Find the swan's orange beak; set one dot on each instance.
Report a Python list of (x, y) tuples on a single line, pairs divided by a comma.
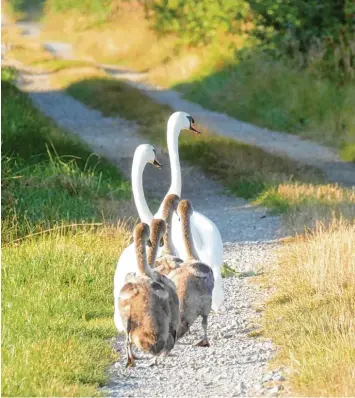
[(157, 164), (194, 129)]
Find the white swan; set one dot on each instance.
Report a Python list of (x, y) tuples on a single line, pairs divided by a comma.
[(128, 262), (205, 234)]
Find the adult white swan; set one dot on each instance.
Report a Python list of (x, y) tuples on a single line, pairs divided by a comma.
[(205, 234), (128, 262)]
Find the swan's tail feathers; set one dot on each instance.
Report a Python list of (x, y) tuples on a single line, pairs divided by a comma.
[(118, 321), (217, 294)]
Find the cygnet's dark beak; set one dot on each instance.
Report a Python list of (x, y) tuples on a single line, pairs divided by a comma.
[(149, 243), (157, 164), (161, 243)]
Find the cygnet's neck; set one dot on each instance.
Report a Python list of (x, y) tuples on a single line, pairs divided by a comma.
[(187, 237), (143, 266), (168, 241)]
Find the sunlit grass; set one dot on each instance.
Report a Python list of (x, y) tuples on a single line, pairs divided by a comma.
[(258, 89), (304, 205), (57, 311), (311, 315)]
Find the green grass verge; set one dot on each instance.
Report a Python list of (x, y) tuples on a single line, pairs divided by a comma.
[(57, 312), (56, 273)]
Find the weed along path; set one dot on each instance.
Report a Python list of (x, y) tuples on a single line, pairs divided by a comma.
[(292, 146)]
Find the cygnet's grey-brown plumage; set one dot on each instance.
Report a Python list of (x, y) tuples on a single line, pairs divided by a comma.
[(144, 305), (193, 279), (157, 230), (168, 261)]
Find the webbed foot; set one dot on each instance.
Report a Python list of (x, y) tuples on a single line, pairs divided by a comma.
[(203, 343)]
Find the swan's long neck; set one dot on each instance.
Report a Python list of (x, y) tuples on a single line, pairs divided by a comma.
[(173, 148), (187, 237), (138, 192), (143, 266)]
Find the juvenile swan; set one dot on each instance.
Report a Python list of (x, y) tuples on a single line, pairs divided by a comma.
[(144, 305), (194, 281), (157, 229), (167, 261)]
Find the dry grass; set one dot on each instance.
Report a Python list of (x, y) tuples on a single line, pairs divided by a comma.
[(311, 316), (306, 204), (127, 40)]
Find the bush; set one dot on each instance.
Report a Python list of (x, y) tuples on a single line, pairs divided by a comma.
[(199, 21)]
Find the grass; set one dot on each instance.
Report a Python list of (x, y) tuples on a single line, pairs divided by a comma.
[(60, 244), (57, 312), (276, 95), (304, 205), (311, 315)]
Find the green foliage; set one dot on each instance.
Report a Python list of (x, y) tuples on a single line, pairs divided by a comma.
[(199, 21), (25, 7), (96, 7), (306, 24)]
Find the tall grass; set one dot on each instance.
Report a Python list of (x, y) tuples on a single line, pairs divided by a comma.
[(311, 315), (304, 205)]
